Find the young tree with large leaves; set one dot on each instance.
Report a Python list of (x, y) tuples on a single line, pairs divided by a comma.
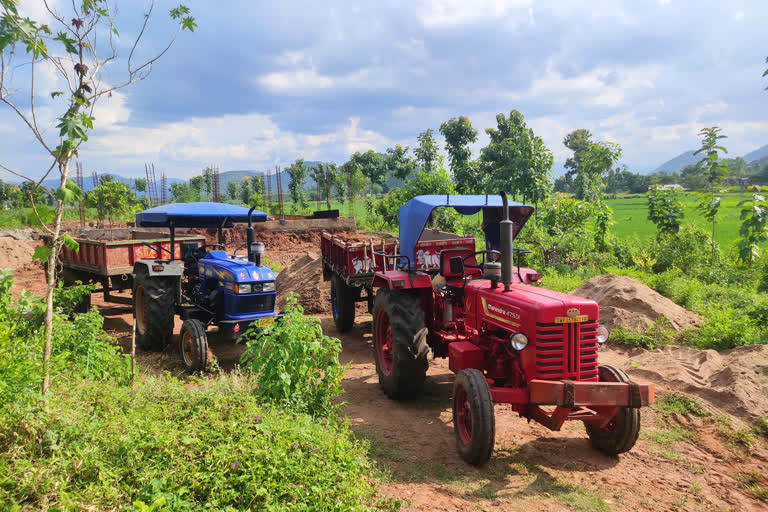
[(459, 134), (397, 162), (297, 173), (517, 160), (579, 142), (81, 46), (426, 151), (715, 171)]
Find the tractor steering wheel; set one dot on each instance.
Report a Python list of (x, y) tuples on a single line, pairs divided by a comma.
[(219, 246), (486, 257), (520, 250), (234, 253)]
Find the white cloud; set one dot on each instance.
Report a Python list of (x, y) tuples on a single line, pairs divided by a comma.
[(442, 13)]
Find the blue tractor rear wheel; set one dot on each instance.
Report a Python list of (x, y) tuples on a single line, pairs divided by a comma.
[(343, 298)]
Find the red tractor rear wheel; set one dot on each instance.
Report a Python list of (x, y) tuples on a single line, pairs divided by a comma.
[(473, 417), (621, 433), (400, 348)]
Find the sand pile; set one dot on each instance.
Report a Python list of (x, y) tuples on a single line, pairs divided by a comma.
[(305, 277), (628, 303), (15, 253), (734, 381)]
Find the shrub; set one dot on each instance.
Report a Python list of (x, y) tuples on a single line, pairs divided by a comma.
[(685, 250), (294, 363), (654, 336), (79, 345), (210, 446)]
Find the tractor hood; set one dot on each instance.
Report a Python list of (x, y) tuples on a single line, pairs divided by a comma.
[(525, 303), (218, 264)]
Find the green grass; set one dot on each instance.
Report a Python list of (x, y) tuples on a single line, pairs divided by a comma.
[(673, 403), (206, 445), (631, 217)]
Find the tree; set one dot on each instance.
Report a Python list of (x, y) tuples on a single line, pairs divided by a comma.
[(754, 227), (140, 184), (577, 141), (598, 159), (83, 62), (517, 160), (111, 198), (258, 189), (714, 171), (298, 173), (426, 152), (459, 134), (356, 182), (397, 163), (371, 165), (233, 190), (665, 209)]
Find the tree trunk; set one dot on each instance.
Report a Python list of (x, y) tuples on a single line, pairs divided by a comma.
[(50, 275)]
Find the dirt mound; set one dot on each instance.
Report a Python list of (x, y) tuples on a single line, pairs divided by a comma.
[(628, 303), (733, 381), (15, 253), (305, 277)]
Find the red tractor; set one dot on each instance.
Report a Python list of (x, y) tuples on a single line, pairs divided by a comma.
[(507, 339)]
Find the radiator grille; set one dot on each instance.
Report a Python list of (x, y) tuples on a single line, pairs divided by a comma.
[(566, 351), (255, 303)]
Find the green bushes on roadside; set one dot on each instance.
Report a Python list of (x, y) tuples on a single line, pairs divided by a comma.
[(294, 364), (209, 445), (79, 345)]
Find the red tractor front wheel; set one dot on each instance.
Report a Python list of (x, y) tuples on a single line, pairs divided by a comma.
[(473, 418), (620, 434)]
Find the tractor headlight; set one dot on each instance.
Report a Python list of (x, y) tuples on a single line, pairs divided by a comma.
[(518, 341), (243, 288), (602, 334), (269, 286)]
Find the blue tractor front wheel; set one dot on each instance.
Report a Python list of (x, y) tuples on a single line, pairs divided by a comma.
[(193, 345)]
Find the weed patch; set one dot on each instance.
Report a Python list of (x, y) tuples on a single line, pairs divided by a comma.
[(214, 447), (671, 403), (756, 483)]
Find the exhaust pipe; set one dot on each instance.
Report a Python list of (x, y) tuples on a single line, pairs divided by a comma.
[(506, 236), (249, 235)]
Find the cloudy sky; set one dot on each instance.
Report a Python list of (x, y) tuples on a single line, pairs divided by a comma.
[(263, 83)]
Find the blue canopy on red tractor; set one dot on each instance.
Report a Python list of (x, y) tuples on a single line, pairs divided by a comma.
[(413, 216), (196, 215)]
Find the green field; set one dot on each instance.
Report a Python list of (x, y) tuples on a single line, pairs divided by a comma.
[(631, 217)]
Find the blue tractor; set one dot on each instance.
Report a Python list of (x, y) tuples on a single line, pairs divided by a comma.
[(203, 284)]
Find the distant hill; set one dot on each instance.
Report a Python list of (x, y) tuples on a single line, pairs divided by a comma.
[(88, 181), (756, 154), (677, 163)]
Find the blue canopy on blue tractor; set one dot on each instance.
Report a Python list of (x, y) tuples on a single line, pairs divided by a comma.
[(196, 215), (413, 216)]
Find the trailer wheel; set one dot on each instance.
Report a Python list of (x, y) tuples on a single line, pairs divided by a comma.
[(193, 345), (473, 417), (153, 307), (621, 433), (342, 304), (399, 342)]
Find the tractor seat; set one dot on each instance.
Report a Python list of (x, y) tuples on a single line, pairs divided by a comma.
[(454, 277)]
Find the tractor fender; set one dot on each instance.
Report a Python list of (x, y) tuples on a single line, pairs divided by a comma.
[(160, 268), (400, 280)]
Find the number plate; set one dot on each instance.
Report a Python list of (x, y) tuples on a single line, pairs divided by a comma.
[(571, 319), (266, 321)]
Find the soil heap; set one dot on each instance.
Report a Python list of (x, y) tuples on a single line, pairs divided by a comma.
[(15, 253), (628, 303), (305, 277)]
